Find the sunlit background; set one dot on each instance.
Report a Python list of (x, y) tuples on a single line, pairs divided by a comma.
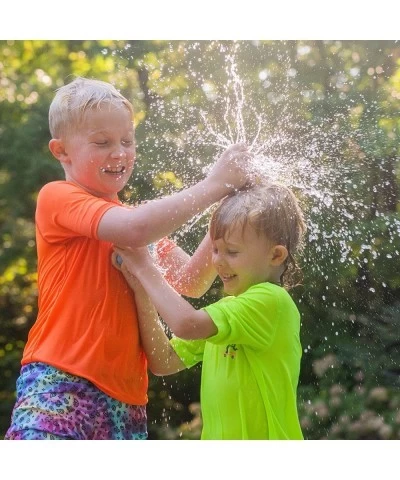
[(321, 116)]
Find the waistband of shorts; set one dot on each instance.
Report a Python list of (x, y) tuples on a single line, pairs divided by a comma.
[(47, 378)]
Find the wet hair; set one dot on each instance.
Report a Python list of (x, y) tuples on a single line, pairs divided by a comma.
[(71, 101), (273, 211)]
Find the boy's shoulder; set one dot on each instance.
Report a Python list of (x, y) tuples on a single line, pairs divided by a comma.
[(271, 290), (55, 195), (266, 288), (59, 188), (58, 184), (263, 294)]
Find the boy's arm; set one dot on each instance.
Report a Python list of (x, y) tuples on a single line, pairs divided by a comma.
[(161, 357), (190, 275), (147, 223), (181, 317)]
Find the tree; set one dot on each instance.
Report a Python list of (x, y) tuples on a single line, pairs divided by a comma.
[(322, 116)]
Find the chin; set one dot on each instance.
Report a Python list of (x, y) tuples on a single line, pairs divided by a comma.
[(231, 292)]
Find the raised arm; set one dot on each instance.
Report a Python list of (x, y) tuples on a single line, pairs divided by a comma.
[(190, 275), (161, 357), (182, 318), (140, 226)]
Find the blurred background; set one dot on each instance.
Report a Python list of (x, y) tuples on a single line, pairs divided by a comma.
[(321, 116)]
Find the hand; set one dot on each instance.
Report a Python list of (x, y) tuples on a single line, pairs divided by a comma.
[(128, 262), (132, 260), (233, 167)]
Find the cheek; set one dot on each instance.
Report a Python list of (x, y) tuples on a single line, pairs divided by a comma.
[(131, 156), (214, 259), (90, 164)]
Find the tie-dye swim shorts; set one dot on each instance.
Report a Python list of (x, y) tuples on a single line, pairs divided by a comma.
[(52, 404)]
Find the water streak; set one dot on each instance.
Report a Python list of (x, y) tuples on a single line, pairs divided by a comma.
[(306, 155)]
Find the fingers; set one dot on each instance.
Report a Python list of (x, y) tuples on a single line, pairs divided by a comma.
[(237, 151), (238, 146)]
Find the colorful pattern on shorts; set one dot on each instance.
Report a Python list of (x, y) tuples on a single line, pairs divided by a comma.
[(52, 404)]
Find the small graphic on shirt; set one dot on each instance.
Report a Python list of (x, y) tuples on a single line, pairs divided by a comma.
[(231, 350)]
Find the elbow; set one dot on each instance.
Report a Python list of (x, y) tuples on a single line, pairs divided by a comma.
[(166, 368), (163, 372), (197, 290), (199, 293), (158, 369), (189, 291), (159, 372), (196, 295)]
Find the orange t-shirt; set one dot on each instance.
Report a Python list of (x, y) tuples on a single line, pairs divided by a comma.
[(87, 322)]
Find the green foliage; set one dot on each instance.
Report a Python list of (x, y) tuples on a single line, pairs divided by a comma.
[(353, 388), (343, 97)]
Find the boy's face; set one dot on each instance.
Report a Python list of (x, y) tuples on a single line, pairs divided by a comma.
[(243, 258), (99, 155)]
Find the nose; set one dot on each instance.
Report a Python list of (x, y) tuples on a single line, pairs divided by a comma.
[(217, 259), (118, 152)]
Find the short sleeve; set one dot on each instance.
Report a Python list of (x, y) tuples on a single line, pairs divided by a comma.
[(64, 210), (250, 318), (189, 351)]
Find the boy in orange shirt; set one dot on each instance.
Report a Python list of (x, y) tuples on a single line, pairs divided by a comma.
[(84, 371)]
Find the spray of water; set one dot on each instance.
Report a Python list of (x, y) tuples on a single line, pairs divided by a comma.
[(330, 164), (303, 151)]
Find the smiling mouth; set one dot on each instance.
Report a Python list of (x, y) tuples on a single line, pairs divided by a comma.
[(114, 171), (226, 278)]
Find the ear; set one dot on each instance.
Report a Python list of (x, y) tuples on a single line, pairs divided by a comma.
[(57, 148), (279, 255)]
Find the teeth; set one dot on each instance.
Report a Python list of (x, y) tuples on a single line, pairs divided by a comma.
[(227, 277), (117, 170)]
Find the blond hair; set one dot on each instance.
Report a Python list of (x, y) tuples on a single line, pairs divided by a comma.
[(274, 212), (74, 99)]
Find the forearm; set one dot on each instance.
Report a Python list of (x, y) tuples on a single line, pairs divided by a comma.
[(180, 316), (147, 223), (191, 276), (161, 357), (199, 273)]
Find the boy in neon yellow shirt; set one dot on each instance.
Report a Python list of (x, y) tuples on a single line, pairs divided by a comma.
[(248, 341)]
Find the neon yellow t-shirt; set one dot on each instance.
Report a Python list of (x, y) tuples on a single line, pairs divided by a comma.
[(250, 367)]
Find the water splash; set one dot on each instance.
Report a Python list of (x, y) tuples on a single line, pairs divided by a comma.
[(307, 152)]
